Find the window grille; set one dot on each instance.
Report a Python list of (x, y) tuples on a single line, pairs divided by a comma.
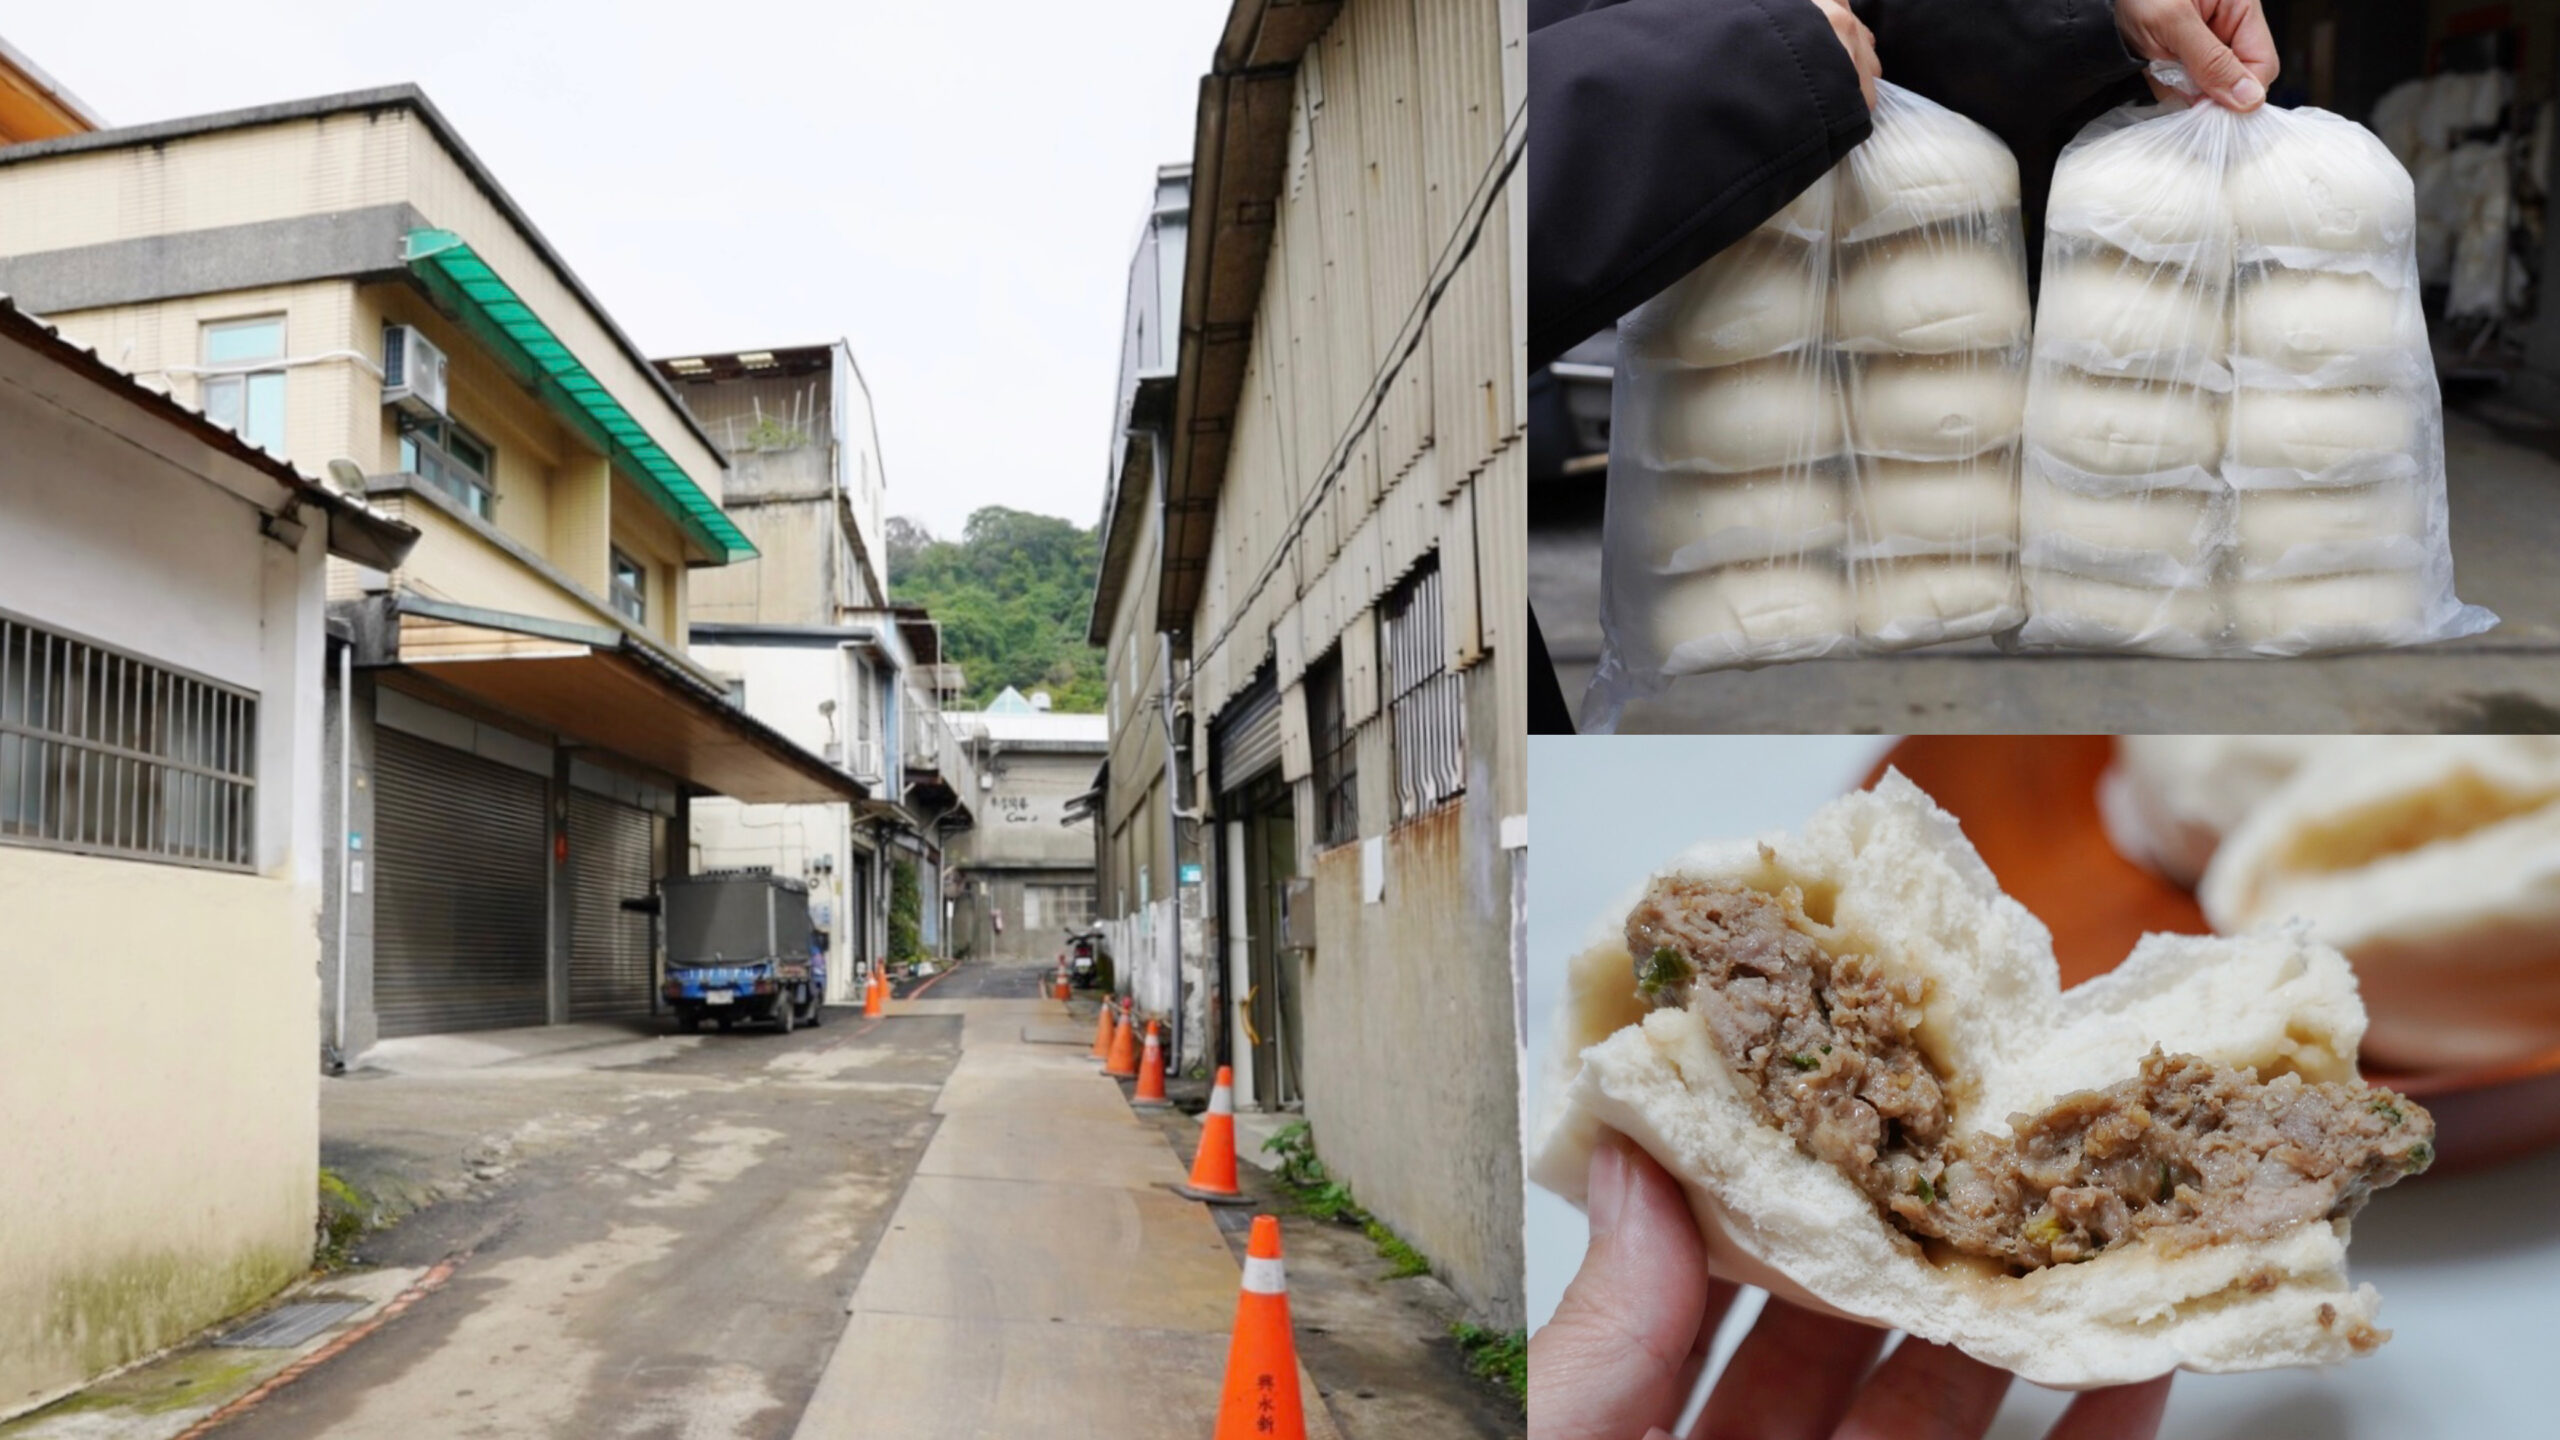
[(1336, 754), (106, 753), (1426, 702)]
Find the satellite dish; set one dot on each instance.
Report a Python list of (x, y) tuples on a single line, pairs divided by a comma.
[(347, 475)]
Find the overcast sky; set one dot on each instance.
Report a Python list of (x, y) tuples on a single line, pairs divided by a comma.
[(954, 187)]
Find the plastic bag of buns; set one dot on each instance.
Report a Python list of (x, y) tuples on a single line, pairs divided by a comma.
[(2234, 442), (1813, 448)]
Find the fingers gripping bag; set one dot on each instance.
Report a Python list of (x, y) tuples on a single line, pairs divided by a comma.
[(1814, 439), (2234, 442)]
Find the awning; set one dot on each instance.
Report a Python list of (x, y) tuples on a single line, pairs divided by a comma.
[(606, 688), (464, 285)]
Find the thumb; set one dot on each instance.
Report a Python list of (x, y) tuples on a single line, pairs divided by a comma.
[(1615, 1359), (2210, 64)]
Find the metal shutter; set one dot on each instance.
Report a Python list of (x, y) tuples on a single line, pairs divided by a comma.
[(1248, 736), (458, 900), (609, 853)]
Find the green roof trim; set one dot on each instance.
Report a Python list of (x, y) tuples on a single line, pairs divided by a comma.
[(464, 285)]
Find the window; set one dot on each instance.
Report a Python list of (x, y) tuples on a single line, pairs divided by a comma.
[(630, 589), (1426, 703), (238, 394), (107, 753), (1061, 906), (451, 459), (1337, 754)]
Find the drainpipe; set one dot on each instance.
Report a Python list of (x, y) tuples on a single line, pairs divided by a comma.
[(1172, 764), (346, 814)]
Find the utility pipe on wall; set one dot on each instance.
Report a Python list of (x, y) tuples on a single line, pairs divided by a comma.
[(346, 815)]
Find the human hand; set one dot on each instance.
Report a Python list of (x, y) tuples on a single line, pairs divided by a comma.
[(1858, 41), (2223, 44), (1633, 1330)]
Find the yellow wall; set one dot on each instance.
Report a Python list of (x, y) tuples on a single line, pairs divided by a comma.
[(175, 1107)]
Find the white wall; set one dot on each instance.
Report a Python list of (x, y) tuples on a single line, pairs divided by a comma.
[(164, 1127)]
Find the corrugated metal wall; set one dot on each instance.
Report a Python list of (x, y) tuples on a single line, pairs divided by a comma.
[(1398, 119)]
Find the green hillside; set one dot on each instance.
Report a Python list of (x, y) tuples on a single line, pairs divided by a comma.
[(1011, 594)]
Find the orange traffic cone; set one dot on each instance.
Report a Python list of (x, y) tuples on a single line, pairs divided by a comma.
[(1102, 1031), (1213, 1167), (1124, 1048), (1261, 1397), (1150, 1094), (872, 1000), (1061, 992)]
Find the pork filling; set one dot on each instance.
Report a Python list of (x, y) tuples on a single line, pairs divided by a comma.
[(2186, 1151)]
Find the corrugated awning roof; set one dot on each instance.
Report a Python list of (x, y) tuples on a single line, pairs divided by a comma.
[(466, 286)]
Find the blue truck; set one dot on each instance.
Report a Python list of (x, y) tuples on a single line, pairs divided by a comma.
[(740, 948)]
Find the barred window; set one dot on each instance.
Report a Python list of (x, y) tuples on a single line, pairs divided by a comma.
[(109, 754), (1425, 701), (1336, 753)]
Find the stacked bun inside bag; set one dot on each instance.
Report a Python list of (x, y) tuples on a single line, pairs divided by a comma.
[(1814, 439), (2234, 439)]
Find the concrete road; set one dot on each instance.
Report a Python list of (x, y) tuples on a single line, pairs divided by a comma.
[(659, 1233), (2503, 485)]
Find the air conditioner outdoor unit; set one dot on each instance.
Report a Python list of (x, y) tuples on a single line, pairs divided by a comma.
[(412, 372)]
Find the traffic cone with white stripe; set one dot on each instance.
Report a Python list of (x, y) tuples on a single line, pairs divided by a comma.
[(1213, 1166), (1124, 1048), (1150, 1094), (1060, 992), (1102, 1031), (873, 1000), (1261, 1397)]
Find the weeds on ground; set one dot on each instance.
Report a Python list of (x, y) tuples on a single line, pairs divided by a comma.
[(1322, 1197), (1498, 1355), (344, 1217)]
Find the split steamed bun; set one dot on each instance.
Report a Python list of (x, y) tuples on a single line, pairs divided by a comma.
[(1935, 408), (1970, 503), (1755, 606), (2115, 427), (2320, 183), (2169, 799), (2174, 523), (1889, 874), (1930, 295), (1780, 512), (2272, 524), (2087, 610), (1758, 416), (2317, 430), (1922, 601), (2434, 863), (2301, 320), (2127, 310), (1757, 298)]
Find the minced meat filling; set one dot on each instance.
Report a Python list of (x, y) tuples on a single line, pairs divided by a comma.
[(2187, 1151)]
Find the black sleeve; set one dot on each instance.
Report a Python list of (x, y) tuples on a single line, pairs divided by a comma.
[(2030, 71), (1663, 131)]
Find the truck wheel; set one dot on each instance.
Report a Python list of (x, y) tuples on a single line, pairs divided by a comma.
[(784, 1008), (817, 1010), (725, 1022)]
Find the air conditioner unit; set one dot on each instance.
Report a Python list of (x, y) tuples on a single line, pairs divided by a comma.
[(412, 372)]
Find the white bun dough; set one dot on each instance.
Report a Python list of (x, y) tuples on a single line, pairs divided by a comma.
[(2128, 309), (2131, 185), (1759, 416), (2113, 427), (2302, 319), (2434, 863), (2370, 602), (2273, 522), (2316, 430), (1928, 295), (1929, 164), (1754, 606), (1763, 516), (2169, 799), (1925, 408), (1971, 503), (1757, 298), (2127, 611), (2323, 184), (1902, 884), (1919, 601), (2174, 523)]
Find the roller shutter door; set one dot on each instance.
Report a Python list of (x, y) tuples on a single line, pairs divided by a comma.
[(609, 855), (459, 890), (1248, 736)]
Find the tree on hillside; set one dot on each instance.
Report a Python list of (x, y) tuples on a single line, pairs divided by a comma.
[(1011, 594)]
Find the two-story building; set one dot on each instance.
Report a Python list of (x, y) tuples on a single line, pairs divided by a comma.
[(162, 637), (1023, 876), (343, 283), (808, 643), (1327, 566)]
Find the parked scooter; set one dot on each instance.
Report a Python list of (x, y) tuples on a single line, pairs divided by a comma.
[(1082, 946)]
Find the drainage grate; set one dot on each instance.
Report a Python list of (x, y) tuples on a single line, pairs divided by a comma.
[(289, 1325)]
